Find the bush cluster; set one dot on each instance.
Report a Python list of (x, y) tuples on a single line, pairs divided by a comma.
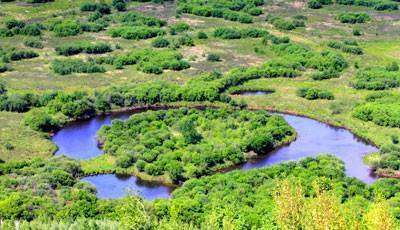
[(376, 4), (347, 47), (234, 33), (353, 17), (68, 66), (178, 28), (102, 8), (16, 27), (148, 60), (68, 49), (314, 94), (187, 144), (33, 43), (240, 11), (284, 24), (64, 28), (377, 79), (382, 109), (138, 19), (136, 32)]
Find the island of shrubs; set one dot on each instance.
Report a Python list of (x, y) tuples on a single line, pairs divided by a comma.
[(284, 24), (378, 78), (353, 17), (314, 94), (234, 33), (376, 4), (17, 27), (148, 60), (6, 56), (226, 9), (176, 42), (388, 163), (68, 66), (69, 49), (381, 108), (347, 47), (68, 27), (184, 143)]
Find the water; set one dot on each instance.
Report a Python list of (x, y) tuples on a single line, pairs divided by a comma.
[(78, 140), (114, 186), (253, 93)]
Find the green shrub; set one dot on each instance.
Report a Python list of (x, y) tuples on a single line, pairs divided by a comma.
[(353, 17), (213, 57), (22, 54), (40, 120), (33, 43), (66, 28), (202, 35), (326, 74), (314, 94), (160, 42), (136, 33), (377, 79), (68, 66), (178, 28), (68, 49)]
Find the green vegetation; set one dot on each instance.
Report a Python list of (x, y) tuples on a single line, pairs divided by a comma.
[(283, 24), (378, 78), (347, 47), (226, 9), (375, 4), (314, 94), (187, 144), (68, 66), (381, 108), (69, 49), (353, 18)]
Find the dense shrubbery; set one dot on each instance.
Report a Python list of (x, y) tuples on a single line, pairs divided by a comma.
[(68, 66), (33, 43), (213, 57), (190, 143), (160, 42), (383, 109), (136, 33), (284, 24), (16, 27), (138, 19), (347, 47), (64, 28), (100, 7), (314, 94), (68, 49), (240, 11), (264, 197), (232, 33), (178, 28), (377, 79), (148, 60), (376, 4), (327, 74), (353, 17)]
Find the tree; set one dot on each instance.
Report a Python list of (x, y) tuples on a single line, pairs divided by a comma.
[(132, 214), (189, 133)]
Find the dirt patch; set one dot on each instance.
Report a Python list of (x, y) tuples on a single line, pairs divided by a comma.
[(189, 21), (298, 4), (197, 53)]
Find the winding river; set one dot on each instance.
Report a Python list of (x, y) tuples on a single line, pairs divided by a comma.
[(78, 140)]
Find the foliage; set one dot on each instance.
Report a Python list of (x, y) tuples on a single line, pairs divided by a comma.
[(160, 42), (33, 43), (382, 109), (68, 66), (353, 17), (136, 32), (284, 24), (314, 93), (346, 47), (233, 33), (240, 11), (68, 49), (213, 57), (377, 79), (190, 143)]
